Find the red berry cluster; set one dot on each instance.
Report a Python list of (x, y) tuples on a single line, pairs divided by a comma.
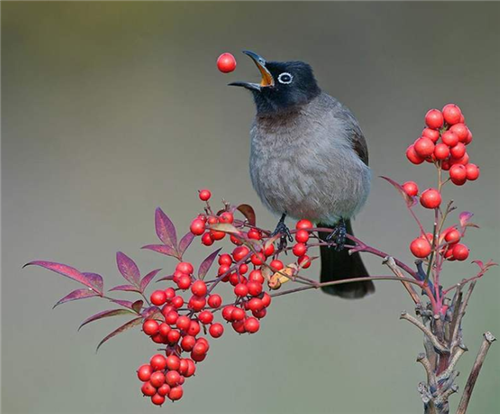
[(443, 142)]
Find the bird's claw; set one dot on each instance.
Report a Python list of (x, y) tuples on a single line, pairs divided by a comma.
[(286, 236), (338, 235)]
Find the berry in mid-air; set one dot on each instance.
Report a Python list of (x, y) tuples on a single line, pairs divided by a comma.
[(226, 63)]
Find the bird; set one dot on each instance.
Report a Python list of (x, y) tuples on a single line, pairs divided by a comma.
[(309, 160)]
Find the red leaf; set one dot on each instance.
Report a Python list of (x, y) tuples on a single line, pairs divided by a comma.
[(248, 212), (185, 243), (165, 229), (123, 328), (64, 270), (128, 268), (169, 277), (148, 278), (137, 306), (163, 249), (126, 288), (464, 218), (104, 314), (410, 201), (206, 264), (77, 294), (96, 281)]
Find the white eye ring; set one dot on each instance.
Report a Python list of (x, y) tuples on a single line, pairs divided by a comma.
[(287, 81)]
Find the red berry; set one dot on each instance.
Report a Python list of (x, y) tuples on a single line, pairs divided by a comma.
[(412, 156), (177, 302), (468, 140), (172, 378), (259, 313), (200, 348), (254, 234), (252, 325), (226, 63), (424, 147), (432, 134), (184, 282), (303, 224), (411, 188), (472, 172), (150, 327), (158, 297), (158, 362), (157, 399), (256, 276), (458, 151), (460, 252), (244, 267), (164, 329), (144, 372), (171, 317), (299, 249), (239, 326), (205, 195), (199, 288), (269, 249), (277, 265), (148, 389), (420, 248), (197, 227), (449, 138), (225, 259), (214, 301), (164, 390), (223, 269), (241, 290), (304, 261), (185, 267), (157, 379), (183, 322), (452, 236), (188, 342), (266, 300), (452, 114), (441, 151), (434, 119), (173, 362), (216, 330), (258, 258), (255, 304), (235, 240), (173, 336), (461, 131), (430, 198), (227, 312), (302, 236), (254, 288), (238, 314), (194, 328), (176, 393), (464, 160), (170, 293), (217, 235), (240, 252), (458, 174), (206, 317), (226, 217)]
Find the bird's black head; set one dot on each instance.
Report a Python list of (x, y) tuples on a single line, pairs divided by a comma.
[(284, 87)]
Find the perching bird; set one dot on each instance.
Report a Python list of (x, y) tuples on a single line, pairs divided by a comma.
[(309, 160)]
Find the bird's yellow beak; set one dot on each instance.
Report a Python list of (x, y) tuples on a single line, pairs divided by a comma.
[(267, 79)]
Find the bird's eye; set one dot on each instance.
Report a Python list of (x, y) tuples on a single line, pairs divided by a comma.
[(285, 78)]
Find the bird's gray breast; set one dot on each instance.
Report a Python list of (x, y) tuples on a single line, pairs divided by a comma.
[(303, 163)]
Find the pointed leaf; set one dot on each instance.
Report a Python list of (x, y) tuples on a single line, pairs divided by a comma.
[(128, 268), (249, 213), (121, 302), (410, 201), (169, 277), (64, 270), (123, 328), (96, 281), (161, 248), (165, 229), (137, 306), (206, 264), (225, 227), (152, 313), (148, 278), (185, 243), (104, 314), (77, 294), (126, 288)]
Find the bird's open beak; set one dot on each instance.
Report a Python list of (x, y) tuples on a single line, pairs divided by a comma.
[(267, 79)]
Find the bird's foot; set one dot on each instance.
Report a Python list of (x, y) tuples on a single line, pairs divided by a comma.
[(338, 235), (284, 231)]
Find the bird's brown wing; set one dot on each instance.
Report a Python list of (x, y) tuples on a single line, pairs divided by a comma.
[(359, 145)]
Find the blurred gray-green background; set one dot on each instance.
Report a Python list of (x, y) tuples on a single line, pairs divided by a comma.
[(113, 109)]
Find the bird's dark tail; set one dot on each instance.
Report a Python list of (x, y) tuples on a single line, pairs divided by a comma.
[(337, 265)]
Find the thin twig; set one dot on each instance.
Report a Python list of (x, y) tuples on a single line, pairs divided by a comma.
[(458, 322), (478, 363), (451, 365), (437, 345), (391, 264), (431, 378)]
